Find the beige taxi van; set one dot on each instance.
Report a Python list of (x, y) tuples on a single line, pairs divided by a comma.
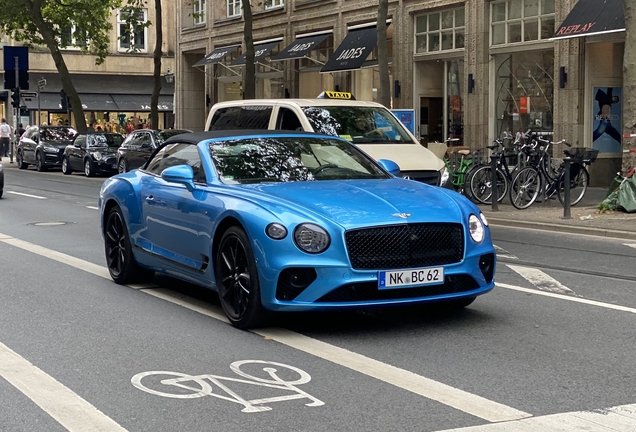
[(368, 125)]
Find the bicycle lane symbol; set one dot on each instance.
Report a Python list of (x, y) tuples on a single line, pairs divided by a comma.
[(204, 385)]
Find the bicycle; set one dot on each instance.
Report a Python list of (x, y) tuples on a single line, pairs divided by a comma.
[(480, 180), (457, 167), (531, 180)]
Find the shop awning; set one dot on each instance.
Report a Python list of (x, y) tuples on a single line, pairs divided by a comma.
[(217, 55), (300, 47), (260, 51), (353, 50), (592, 17), (137, 103), (97, 102), (48, 102)]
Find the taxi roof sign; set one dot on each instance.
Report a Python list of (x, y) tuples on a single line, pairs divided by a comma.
[(336, 95)]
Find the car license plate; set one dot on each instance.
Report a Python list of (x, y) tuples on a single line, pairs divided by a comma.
[(412, 277)]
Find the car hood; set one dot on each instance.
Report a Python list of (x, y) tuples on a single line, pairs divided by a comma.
[(58, 144), (104, 150), (354, 203)]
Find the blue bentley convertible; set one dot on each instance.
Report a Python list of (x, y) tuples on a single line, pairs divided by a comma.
[(278, 221)]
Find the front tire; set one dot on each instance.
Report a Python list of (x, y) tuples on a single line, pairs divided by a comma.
[(120, 261), (237, 280), (481, 185), (39, 162), (122, 166), (525, 187), (19, 159), (89, 168), (66, 166), (578, 185)]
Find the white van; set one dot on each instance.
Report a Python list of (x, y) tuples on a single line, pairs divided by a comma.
[(368, 125)]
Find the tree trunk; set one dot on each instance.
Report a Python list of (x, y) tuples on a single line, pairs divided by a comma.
[(629, 87), (35, 11), (249, 87), (383, 55), (156, 89)]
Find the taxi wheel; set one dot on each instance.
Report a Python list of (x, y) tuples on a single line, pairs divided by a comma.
[(66, 166), (19, 159), (237, 280), (89, 168), (39, 162), (120, 261)]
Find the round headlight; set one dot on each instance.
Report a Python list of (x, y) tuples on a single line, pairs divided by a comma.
[(276, 231), (476, 228), (97, 155), (483, 219), (311, 238)]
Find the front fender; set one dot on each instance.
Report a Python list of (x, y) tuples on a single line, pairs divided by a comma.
[(120, 191)]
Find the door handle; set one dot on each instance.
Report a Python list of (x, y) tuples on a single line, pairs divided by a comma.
[(150, 199)]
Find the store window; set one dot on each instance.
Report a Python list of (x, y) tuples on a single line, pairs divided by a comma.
[(198, 11), (233, 8), (131, 32), (271, 4), (455, 104), (439, 31), (524, 86), (516, 21)]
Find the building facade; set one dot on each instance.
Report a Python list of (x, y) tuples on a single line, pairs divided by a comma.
[(474, 70), (115, 93)]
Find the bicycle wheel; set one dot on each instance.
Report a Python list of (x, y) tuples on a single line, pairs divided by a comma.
[(467, 176), (481, 185), (579, 180), (525, 187)]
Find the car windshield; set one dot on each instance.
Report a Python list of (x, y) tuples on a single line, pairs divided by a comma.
[(106, 140), (58, 134), (358, 124), (164, 135), (287, 159)]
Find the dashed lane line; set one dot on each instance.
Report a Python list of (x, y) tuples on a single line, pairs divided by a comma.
[(540, 279), (27, 195), (502, 253), (92, 207), (57, 400)]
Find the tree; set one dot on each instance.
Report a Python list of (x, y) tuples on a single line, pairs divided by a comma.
[(46, 22), (383, 55), (629, 86), (249, 76)]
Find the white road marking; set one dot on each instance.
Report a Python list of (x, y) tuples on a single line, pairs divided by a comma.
[(57, 400), (463, 401), (630, 245), (26, 195), (569, 298), (92, 207), (616, 419), (541, 280), (502, 253)]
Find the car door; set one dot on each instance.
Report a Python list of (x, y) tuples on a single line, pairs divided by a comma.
[(143, 146), (77, 152), (28, 144), (178, 222)]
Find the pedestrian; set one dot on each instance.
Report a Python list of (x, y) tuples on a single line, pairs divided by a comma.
[(21, 131), (5, 138), (59, 122)]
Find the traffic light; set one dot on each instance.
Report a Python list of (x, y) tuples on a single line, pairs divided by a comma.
[(15, 97)]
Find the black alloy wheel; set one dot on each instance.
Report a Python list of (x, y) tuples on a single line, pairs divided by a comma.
[(237, 280), (19, 159), (66, 166), (122, 166), (121, 264), (39, 162)]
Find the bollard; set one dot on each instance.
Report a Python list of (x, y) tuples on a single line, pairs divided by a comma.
[(493, 184), (11, 150), (566, 189)]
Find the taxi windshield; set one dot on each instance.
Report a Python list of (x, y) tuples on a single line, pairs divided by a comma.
[(289, 159), (358, 124)]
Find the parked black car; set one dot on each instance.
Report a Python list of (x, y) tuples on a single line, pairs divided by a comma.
[(43, 146), (140, 144), (92, 152)]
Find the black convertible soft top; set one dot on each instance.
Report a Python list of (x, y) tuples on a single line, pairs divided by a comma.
[(197, 137)]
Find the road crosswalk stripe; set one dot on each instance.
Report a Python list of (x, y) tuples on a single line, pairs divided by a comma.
[(615, 419), (540, 279), (502, 253), (630, 245)]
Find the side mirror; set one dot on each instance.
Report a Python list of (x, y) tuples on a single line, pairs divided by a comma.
[(182, 174), (389, 166)]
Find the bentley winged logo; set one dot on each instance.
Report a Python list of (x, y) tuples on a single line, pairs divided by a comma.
[(402, 215)]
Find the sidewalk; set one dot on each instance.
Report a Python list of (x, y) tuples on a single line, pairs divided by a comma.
[(549, 217)]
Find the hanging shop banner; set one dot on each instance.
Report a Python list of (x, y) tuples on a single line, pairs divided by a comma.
[(607, 119)]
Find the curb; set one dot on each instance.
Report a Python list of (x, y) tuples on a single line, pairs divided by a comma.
[(599, 232)]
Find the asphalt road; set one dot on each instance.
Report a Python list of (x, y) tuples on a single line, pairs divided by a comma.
[(551, 348)]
